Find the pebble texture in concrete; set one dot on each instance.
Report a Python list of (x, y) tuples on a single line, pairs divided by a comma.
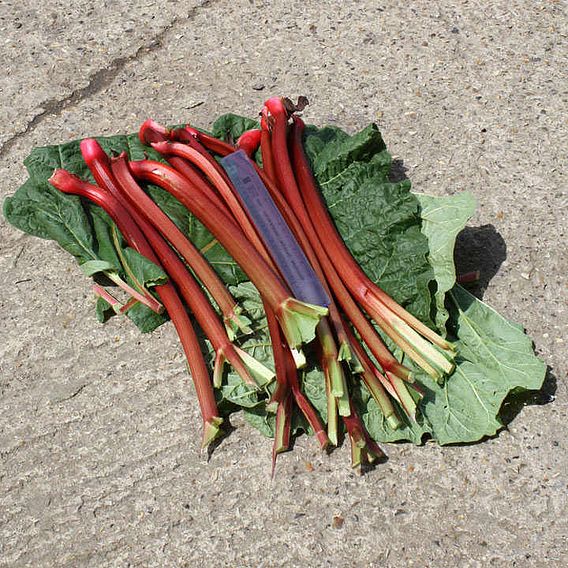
[(99, 426)]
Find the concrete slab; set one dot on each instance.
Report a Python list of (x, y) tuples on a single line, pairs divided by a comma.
[(56, 53), (99, 425)]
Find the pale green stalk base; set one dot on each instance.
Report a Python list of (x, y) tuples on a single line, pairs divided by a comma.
[(332, 420), (211, 431), (438, 361), (299, 358), (345, 353), (394, 421), (299, 320), (338, 385), (279, 445), (433, 360), (356, 454), (355, 365), (260, 373), (384, 403), (404, 396)]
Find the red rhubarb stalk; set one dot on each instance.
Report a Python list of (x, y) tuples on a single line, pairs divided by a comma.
[(469, 277), (210, 142), (249, 141), (282, 429), (401, 326), (297, 319), (68, 183), (169, 230), (266, 151), (319, 260), (376, 384), (220, 183), (362, 445), (151, 131), (232, 202), (128, 193), (193, 143), (306, 407), (312, 197), (329, 354)]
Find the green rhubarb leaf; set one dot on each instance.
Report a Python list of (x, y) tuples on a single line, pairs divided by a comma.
[(39, 209), (313, 386), (317, 139), (104, 310), (235, 391), (92, 267), (442, 219), (79, 227), (337, 155), (257, 345), (380, 223), (229, 127), (496, 358), (145, 272), (264, 422), (104, 229)]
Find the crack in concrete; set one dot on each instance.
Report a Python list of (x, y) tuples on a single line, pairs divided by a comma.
[(98, 81)]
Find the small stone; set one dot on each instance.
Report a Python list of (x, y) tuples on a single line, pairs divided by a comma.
[(258, 87), (337, 521)]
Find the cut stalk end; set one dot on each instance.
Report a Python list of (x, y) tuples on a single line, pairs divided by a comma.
[(282, 430), (261, 374), (435, 362), (299, 358), (322, 439), (394, 421), (345, 353), (355, 364), (211, 430), (332, 423), (299, 321), (356, 454), (272, 406)]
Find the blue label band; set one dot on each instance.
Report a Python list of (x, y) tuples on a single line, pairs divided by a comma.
[(274, 231)]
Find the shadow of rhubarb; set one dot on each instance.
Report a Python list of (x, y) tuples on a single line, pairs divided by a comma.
[(515, 402), (398, 171), (480, 249)]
